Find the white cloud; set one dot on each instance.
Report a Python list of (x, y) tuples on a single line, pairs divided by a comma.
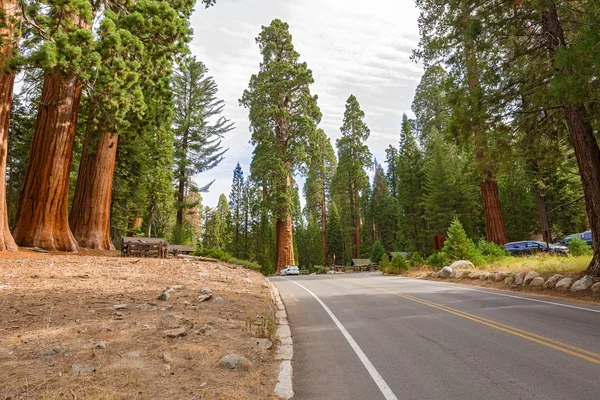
[(351, 47)]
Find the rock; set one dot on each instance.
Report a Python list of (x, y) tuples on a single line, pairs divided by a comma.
[(52, 351), (206, 328), (551, 283), (485, 276), (445, 272), (173, 321), (564, 284), (219, 300), (531, 275), (175, 333), (583, 284), (120, 307), (453, 275), (164, 296), (509, 280), (203, 384), (203, 274), (204, 297), (462, 264), (537, 282), (100, 345), (205, 290), (596, 287), (460, 274), (247, 280), (234, 361), (500, 276), (519, 278), (263, 344), (167, 357), (475, 275), (82, 369)]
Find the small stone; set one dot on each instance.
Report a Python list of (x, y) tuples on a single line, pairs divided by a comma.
[(551, 283), (175, 333), (82, 369), (120, 307), (445, 272), (100, 345), (164, 296), (167, 358), (219, 300), (51, 351), (263, 344), (172, 321), (583, 284), (247, 280), (531, 275), (203, 384), (202, 274), (462, 264), (234, 361), (564, 284), (537, 282), (205, 290), (204, 297)]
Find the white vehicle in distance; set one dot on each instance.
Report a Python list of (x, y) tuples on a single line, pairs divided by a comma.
[(290, 270)]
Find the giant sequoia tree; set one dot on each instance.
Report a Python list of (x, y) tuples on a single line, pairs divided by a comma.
[(283, 116), (9, 18)]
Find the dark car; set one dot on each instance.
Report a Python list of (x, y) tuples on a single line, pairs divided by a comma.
[(532, 247), (587, 237)]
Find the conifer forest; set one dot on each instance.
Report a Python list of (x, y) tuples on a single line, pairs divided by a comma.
[(108, 122)]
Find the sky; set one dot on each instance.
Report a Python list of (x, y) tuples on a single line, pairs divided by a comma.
[(351, 46)]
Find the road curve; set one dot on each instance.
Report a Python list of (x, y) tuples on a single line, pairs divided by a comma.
[(366, 336)]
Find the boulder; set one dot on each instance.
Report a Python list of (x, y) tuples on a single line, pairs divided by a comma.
[(531, 275), (462, 264), (564, 284), (485, 276), (460, 274), (519, 278), (537, 282), (509, 280), (234, 361), (445, 272), (453, 275), (491, 277), (583, 284), (596, 287), (175, 333), (475, 275), (500, 276), (551, 283)]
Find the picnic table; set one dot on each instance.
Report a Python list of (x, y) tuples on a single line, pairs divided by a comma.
[(144, 247)]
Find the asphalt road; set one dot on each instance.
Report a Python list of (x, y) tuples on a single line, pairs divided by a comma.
[(366, 336)]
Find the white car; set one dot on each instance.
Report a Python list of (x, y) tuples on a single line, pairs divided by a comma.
[(290, 270)]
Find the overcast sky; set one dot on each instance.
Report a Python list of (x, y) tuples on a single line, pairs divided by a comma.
[(352, 46)]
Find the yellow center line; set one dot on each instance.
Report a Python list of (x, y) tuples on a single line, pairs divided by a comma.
[(544, 341)]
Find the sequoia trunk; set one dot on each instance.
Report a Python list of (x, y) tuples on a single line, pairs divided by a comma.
[(7, 80), (90, 212), (542, 214), (584, 142), (285, 243), (494, 222), (42, 218)]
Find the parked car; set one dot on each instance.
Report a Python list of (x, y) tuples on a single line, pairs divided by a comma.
[(587, 237), (290, 270), (532, 247), (567, 239)]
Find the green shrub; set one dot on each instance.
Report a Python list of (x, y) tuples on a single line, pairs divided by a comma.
[(248, 264), (579, 247), (399, 263), (436, 260), (378, 252), (385, 265), (226, 257), (416, 260), (458, 246), (317, 269), (491, 251)]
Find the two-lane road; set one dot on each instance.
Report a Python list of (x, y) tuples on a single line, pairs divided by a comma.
[(366, 336)]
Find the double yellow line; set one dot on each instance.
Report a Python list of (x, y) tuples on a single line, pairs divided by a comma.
[(544, 341)]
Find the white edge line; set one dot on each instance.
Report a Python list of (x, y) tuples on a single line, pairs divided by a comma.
[(495, 293), (379, 381)]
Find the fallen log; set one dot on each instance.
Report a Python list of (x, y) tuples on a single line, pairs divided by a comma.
[(196, 258)]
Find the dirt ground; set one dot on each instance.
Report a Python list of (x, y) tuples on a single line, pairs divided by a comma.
[(89, 326)]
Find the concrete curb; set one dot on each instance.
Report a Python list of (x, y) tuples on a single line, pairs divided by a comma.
[(285, 350)]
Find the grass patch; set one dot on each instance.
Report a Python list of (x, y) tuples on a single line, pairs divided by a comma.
[(544, 264)]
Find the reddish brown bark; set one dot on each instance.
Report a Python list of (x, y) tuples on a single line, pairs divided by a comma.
[(584, 142), (42, 218), (285, 243), (7, 80), (90, 212), (494, 222)]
